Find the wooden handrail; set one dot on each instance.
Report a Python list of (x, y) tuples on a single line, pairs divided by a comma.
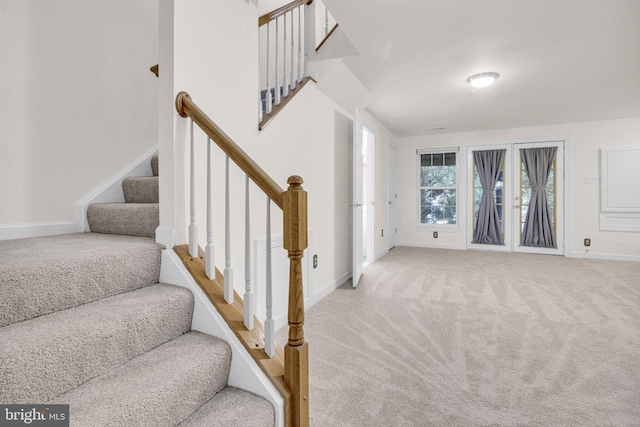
[(277, 108), (267, 17), (327, 36), (187, 108)]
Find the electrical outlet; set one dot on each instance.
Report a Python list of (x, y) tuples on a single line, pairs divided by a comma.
[(315, 261), (435, 234), (382, 233), (587, 241)]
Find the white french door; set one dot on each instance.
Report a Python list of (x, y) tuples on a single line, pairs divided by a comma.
[(512, 196)]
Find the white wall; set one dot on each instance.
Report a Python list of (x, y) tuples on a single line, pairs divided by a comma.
[(582, 159), (79, 100), (311, 137)]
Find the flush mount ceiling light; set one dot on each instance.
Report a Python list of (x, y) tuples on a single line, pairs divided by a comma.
[(482, 80)]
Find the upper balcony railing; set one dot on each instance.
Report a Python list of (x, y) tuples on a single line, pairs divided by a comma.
[(283, 56)]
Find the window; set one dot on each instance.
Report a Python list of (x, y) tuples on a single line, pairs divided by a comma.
[(437, 172)]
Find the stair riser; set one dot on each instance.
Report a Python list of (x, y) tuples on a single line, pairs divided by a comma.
[(160, 388), (140, 189), (129, 219), (45, 357), (154, 165), (83, 265)]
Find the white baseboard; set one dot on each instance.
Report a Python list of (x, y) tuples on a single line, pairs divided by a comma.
[(590, 255), (429, 245), (381, 254), (609, 257), (22, 231), (318, 296), (111, 189)]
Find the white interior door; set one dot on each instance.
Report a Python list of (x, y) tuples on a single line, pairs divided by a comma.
[(392, 191), (512, 195), (357, 205)]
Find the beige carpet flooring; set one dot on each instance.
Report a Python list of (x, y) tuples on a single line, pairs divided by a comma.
[(464, 338)]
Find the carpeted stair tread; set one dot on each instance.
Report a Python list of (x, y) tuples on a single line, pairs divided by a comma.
[(140, 189), (130, 219), (233, 407), (160, 388), (154, 165), (44, 357), (41, 275)]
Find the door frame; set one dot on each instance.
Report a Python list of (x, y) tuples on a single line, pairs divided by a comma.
[(369, 231), (508, 204), (357, 248), (392, 196)]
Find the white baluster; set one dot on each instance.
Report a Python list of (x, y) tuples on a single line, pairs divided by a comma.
[(209, 250), (277, 77), (228, 270), (293, 66), (269, 324), (285, 82), (326, 20), (269, 102), (193, 227), (305, 59), (248, 292), (300, 43), (260, 71)]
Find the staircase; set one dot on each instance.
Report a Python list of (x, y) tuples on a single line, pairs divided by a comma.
[(84, 322)]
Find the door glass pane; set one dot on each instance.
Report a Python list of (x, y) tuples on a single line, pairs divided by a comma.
[(498, 195), (525, 177), (526, 196)]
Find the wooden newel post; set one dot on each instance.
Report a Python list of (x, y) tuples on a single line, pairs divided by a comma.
[(296, 352)]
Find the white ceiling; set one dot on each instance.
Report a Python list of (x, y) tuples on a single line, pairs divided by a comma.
[(559, 61)]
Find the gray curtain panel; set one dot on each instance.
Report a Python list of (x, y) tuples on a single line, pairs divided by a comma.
[(538, 225), (487, 231)]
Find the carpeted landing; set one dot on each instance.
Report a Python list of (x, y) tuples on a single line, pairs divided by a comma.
[(84, 321), (464, 338)]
